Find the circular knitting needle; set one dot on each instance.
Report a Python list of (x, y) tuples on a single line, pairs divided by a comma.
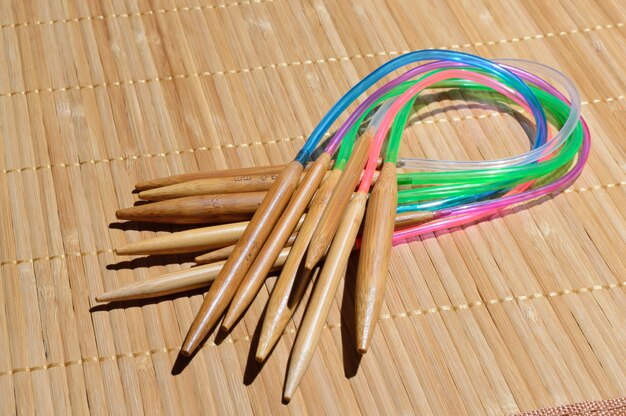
[(340, 197), (374, 255), (203, 209), (180, 281), (210, 186), (407, 219), (291, 285), (323, 293), (246, 250), (255, 277), (279, 309), (186, 177), (189, 241)]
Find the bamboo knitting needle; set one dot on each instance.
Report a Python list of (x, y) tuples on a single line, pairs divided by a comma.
[(279, 309), (329, 222), (186, 177), (203, 209), (374, 255), (323, 293), (281, 306), (407, 219), (180, 281), (224, 252), (246, 250), (189, 241), (293, 281), (213, 186), (255, 277), (210, 186)]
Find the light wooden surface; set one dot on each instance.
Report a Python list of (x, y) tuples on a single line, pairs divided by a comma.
[(522, 312)]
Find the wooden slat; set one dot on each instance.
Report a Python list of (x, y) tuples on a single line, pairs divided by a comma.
[(523, 312)]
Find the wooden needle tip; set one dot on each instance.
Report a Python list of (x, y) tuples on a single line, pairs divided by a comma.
[(291, 385), (364, 334), (287, 396), (106, 297), (232, 316), (226, 325), (189, 346), (262, 352), (146, 194), (185, 353), (310, 263)]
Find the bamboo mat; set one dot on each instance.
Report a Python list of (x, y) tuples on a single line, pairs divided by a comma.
[(523, 312)]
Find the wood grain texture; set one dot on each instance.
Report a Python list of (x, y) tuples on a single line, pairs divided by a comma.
[(329, 222), (223, 253), (277, 239), (188, 241), (244, 254), (521, 312), (228, 185), (175, 282), (294, 279), (215, 174), (324, 294), (374, 255), (201, 209), (289, 288)]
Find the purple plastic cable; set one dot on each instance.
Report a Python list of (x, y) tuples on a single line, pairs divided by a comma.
[(545, 148)]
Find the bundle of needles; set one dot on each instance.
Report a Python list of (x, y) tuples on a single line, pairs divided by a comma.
[(311, 214)]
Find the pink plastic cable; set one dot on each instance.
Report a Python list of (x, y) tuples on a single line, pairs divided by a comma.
[(463, 219), (462, 215)]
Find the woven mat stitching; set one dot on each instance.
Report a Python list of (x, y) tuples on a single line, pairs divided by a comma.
[(50, 257), (133, 157), (397, 315), (134, 14), (305, 62)]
